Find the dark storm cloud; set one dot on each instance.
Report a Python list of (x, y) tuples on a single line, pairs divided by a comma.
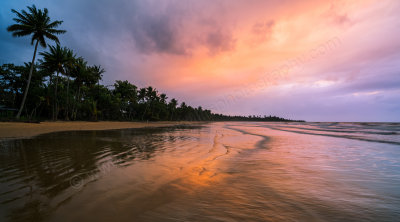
[(152, 26), (155, 27), (164, 33), (117, 34), (177, 29), (157, 34), (219, 41)]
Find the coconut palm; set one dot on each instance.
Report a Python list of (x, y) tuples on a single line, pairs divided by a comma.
[(163, 98), (80, 72), (35, 22), (57, 59), (68, 69), (96, 73), (142, 95), (172, 107)]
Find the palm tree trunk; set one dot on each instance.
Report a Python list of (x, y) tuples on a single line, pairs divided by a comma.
[(145, 111), (75, 108), (28, 83), (55, 98), (50, 99), (67, 109)]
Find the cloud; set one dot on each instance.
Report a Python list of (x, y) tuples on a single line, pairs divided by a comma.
[(262, 30), (337, 17), (199, 51), (170, 29), (219, 41), (158, 34)]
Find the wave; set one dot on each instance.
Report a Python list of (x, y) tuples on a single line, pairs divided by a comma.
[(370, 132)]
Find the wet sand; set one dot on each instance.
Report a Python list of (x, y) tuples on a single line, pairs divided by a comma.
[(9, 130), (221, 171)]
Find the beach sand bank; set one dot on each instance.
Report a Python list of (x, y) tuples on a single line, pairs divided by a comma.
[(9, 130)]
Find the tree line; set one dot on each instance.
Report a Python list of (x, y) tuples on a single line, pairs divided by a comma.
[(62, 85), (73, 92)]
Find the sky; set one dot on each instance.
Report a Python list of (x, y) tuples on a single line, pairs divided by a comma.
[(315, 60)]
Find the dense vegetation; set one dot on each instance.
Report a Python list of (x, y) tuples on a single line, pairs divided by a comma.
[(75, 94), (61, 85)]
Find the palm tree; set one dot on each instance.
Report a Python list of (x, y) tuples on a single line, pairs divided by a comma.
[(79, 72), (57, 60), (172, 107), (151, 95), (68, 68), (97, 73), (142, 95), (163, 98), (36, 23)]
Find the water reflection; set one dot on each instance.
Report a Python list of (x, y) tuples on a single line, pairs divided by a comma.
[(39, 175), (215, 172)]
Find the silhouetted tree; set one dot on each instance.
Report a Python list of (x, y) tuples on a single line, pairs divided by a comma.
[(36, 23), (57, 60)]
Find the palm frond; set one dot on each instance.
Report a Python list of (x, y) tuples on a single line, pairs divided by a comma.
[(19, 15), (22, 33), (37, 23), (20, 21), (54, 24), (26, 15), (18, 27), (52, 37), (56, 31), (42, 41)]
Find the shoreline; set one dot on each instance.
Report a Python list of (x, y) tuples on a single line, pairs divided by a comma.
[(19, 130)]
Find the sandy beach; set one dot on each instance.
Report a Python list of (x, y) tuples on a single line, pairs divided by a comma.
[(10, 130), (225, 171)]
